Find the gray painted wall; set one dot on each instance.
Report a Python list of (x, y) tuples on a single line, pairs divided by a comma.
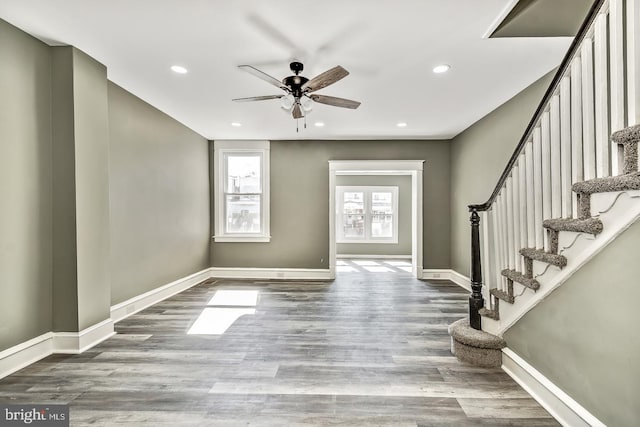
[(403, 247), (91, 129), (65, 276), (25, 187), (81, 282), (583, 336), (478, 157), (300, 184), (159, 190)]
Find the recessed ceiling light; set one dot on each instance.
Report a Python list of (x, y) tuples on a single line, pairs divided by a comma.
[(236, 124), (402, 125), (441, 68), (319, 124), (178, 69)]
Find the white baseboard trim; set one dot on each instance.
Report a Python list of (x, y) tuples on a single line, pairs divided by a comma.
[(24, 354), (270, 273), (354, 256), (78, 342), (560, 405), (154, 296), (447, 274)]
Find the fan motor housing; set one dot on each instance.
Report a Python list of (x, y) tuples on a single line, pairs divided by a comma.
[(295, 84)]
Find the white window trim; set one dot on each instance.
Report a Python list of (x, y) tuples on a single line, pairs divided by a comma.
[(220, 149), (368, 190)]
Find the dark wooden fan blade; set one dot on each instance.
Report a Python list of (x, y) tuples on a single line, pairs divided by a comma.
[(258, 98), (336, 102), (325, 79), (264, 76), (297, 112)]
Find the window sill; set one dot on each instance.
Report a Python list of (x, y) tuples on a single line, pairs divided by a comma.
[(241, 239), (376, 242)]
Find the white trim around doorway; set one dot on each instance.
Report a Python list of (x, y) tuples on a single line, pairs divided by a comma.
[(413, 168)]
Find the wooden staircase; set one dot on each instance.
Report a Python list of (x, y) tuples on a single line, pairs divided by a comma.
[(629, 138)]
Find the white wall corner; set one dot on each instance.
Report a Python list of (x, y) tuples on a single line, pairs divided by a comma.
[(154, 296), (270, 273), (447, 274), (559, 404)]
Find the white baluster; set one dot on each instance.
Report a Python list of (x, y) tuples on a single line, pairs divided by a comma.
[(588, 114), (500, 227), (565, 146), (510, 231), (601, 97), (531, 228), (616, 68), (537, 186), (497, 241), (486, 251), (515, 192), (554, 127), (505, 238), (576, 128), (522, 191), (633, 62), (546, 171)]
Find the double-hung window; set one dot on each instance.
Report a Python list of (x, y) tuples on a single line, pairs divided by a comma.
[(367, 214), (241, 191)]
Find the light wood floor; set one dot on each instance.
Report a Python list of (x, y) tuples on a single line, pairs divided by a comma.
[(370, 349)]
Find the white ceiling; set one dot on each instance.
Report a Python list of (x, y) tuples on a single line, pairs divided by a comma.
[(389, 46)]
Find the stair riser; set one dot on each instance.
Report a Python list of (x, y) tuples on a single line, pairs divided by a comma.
[(553, 241), (528, 264), (630, 158), (584, 205)]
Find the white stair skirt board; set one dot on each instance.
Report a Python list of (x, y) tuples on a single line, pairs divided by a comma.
[(24, 354), (617, 211), (560, 405), (270, 273), (447, 274), (348, 256), (142, 301)]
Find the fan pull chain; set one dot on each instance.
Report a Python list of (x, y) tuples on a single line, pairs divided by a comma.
[(297, 129), (305, 122)]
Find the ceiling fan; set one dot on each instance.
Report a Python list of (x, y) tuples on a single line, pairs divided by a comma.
[(300, 88)]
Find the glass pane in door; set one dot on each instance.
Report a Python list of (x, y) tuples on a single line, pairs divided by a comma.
[(381, 214), (353, 215)]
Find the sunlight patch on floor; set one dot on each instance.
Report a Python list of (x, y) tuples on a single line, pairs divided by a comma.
[(363, 263), (227, 297), (215, 321), (378, 269), (346, 269)]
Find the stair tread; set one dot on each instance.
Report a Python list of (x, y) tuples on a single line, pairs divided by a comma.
[(582, 225), (629, 181), (500, 294), (492, 314), (629, 135), (522, 279), (541, 255)]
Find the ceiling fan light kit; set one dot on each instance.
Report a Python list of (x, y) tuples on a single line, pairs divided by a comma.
[(298, 89)]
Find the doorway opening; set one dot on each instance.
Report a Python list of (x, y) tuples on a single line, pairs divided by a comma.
[(373, 221)]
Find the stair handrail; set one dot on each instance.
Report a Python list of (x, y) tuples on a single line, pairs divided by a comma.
[(546, 99)]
